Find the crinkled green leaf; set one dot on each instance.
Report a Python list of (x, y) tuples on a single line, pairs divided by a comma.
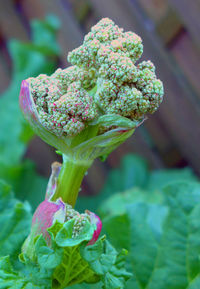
[(66, 261), (107, 263), (48, 258), (73, 268), (144, 240), (64, 236), (176, 254), (13, 280), (163, 238), (15, 220), (7, 276)]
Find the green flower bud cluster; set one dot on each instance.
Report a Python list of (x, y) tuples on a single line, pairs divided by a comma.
[(80, 220), (122, 87), (64, 105), (104, 79)]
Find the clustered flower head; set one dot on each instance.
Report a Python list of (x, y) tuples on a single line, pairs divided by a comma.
[(49, 212), (104, 79)]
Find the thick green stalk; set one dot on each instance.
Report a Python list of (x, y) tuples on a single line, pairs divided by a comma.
[(73, 169), (70, 179)]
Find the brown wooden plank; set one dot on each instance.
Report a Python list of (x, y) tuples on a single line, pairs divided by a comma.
[(180, 109), (5, 64), (188, 58), (70, 35), (168, 26), (83, 12), (10, 22), (80, 8), (158, 133), (4, 74), (155, 9), (42, 154), (189, 12), (95, 178)]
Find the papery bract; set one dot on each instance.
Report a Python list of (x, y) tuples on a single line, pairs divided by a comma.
[(97, 221), (46, 214)]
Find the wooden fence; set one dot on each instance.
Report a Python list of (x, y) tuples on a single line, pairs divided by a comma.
[(170, 30)]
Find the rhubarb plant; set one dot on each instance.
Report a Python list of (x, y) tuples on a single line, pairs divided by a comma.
[(85, 111)]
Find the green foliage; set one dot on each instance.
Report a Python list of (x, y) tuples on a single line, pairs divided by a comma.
[(27, 183), (154, 216), (59, 266), (161, 234), (58, 262), (134, 173), (15, 220), (40, 55)]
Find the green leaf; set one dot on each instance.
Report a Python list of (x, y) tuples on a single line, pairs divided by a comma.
[(102, 144), (67, 260), (73, 268), (118, 225), (48, 258), (15, 220), (86, 286), (64, 236), (162, 237), (13, 280), (160, 178), (116, 204), (107, 263), (176, 255), (25, 182), (133, 172), (43, 33), (115, 120), (195, 284), (144, 240), (8, 278)]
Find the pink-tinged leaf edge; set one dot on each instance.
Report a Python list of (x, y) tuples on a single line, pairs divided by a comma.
[(46, 214), (96, 221)]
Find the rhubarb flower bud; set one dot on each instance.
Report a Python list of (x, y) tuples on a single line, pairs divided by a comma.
[(50, 212), (70, 108)]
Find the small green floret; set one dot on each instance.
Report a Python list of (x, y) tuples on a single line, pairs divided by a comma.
[(104, 79)]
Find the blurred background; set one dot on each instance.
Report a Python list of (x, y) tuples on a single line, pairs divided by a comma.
[(170, 30)]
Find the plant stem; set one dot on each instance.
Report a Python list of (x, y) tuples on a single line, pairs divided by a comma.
[(70, 179)]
